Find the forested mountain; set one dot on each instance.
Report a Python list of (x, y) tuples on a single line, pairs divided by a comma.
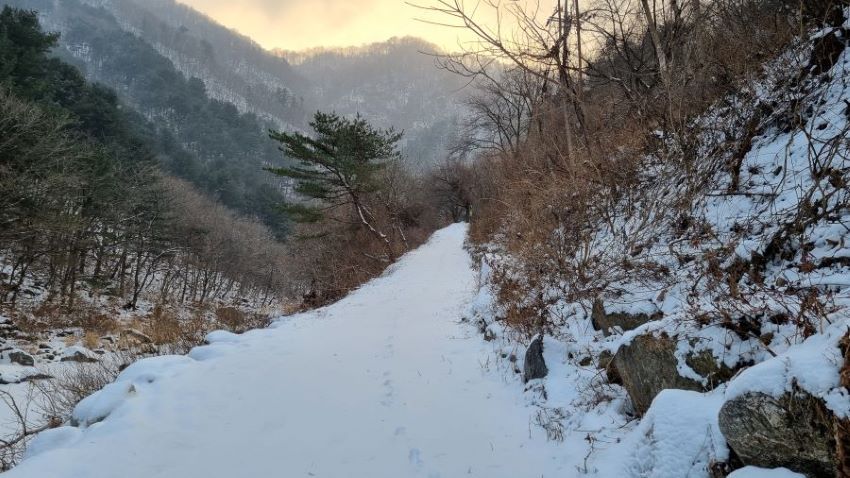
[(85, 204), (233, 67), (205, 141), (394, 83), (397, 82)]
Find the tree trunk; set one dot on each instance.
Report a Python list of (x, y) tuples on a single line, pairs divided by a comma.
[(661, 57), (378, 234)]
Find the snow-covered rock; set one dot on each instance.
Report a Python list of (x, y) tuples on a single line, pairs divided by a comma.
[(13, 373), (77, 353), (793, 431), (677, 437), (19, 357), (98, 406), (756, 472)]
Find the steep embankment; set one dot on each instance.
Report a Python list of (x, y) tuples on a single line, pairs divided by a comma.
[(385, 383), (706, 326)]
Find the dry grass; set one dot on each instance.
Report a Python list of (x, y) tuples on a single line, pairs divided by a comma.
[(237, 321), (91, 340), (95, 321)]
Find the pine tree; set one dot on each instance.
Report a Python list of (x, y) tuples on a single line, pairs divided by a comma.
[(23, 49), (338, 167)]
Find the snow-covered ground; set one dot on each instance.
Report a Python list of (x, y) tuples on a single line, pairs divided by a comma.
[(386, 383)]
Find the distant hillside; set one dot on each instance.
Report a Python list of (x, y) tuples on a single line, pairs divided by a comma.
[(233, 67), (143, 48), (394, 83)]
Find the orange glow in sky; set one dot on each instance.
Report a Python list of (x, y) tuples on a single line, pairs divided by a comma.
[(301, 24)]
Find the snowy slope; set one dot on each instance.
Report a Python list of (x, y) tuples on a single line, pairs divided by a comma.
[(385, 383), (727, 268)]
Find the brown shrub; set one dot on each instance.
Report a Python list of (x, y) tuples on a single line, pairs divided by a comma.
[(94, 321), (162, 325), (230, 318), (91, 340), (43, 317), (237, 321), (543, 203)]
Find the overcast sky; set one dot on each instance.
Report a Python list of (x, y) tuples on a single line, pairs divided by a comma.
[(299, 24)]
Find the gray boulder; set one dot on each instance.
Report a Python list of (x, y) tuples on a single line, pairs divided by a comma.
[(608, 321), (80, 355), (21, 358), (794, 431), (646, 366), (534, 366)]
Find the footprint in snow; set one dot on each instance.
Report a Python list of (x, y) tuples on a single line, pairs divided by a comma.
[(414, 457), (388, 393)]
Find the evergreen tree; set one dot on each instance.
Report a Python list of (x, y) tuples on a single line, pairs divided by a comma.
[(338, 167), (23, 48)]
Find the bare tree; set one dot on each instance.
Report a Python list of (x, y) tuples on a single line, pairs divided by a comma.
[(525, 36), (501, 111)]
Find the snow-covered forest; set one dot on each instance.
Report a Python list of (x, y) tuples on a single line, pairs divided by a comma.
[(602, 238)]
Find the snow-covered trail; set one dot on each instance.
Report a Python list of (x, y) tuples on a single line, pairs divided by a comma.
[(385, 383)]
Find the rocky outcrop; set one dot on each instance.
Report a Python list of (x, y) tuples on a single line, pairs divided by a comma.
[(534, 366), (21, 358), (648, 365), (606, 322), (794, 431), (704, 364), (78, 354)]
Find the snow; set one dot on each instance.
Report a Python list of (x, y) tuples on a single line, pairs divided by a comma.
[(100, 405), (14, 373), (385, 383), (679, 436), (813, 366), (53, 439), (138, 376), (754, 472), (221, 336)]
